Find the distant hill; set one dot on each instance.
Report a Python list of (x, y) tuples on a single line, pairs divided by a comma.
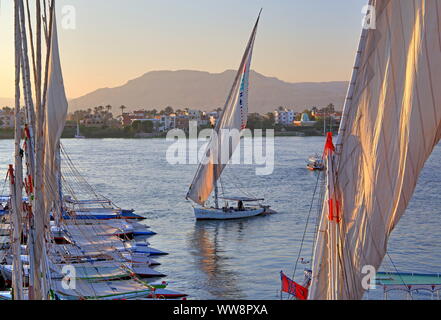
[(207, 91)]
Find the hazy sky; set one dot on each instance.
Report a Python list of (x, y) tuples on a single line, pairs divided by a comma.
[(118, 40)]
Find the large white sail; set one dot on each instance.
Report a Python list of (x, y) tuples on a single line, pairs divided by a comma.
[(234, 116), (56, 112), (392, 121)]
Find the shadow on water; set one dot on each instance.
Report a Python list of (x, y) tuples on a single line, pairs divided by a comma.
[(212, 260)]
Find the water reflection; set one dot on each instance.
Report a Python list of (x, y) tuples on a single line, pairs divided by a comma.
[(213, 261)]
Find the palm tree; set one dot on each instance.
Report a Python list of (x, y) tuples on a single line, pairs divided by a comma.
[(108, 107), (168, 110), (122, 109)]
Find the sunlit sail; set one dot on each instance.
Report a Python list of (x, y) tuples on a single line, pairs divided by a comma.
[(220, 148), (391, 123)]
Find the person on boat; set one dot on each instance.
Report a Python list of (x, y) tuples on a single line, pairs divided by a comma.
[(240, 206)]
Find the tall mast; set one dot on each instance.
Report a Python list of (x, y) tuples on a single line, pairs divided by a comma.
[(332, 231), (16, 179), (349, 95)]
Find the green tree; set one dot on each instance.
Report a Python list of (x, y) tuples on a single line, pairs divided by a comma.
[(268, 121), (147, 126), (136, 126), (330, 108), (168, 110), (7, 110), (122, 109), (254, 121), (142, 126)]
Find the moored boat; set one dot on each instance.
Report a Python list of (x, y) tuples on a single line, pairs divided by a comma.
[(315, 163)]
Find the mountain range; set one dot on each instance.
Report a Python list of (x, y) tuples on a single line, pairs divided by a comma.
[(207, 91)]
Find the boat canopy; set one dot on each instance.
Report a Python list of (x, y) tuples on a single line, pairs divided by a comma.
[(408, 281), (82, 202), (244, 199), (7, 198)]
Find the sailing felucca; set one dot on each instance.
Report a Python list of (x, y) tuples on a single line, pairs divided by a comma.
[(78, 134), (391, 123), (216, 157)]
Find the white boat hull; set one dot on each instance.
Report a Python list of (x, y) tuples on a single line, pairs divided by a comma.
[(220, 214)]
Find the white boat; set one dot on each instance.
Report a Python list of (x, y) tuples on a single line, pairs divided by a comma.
[(238, 212), (78, 135), (234, 117), (221, 214), (315, 163)]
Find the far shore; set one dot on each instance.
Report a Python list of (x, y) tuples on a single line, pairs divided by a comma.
[(103, 133)]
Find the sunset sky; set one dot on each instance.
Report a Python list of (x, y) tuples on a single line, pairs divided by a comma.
[(118, 40)]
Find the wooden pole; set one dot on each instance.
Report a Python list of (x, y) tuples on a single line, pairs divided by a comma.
[(16, 180), (39, 269)]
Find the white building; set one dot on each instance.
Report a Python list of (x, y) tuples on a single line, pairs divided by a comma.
[(7, 119), (194, 114), (285, 117), (168, 122)]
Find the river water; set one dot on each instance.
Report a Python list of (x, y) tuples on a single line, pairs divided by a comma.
[(240, 259)]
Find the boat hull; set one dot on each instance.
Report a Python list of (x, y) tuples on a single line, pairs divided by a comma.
[(220, 214)]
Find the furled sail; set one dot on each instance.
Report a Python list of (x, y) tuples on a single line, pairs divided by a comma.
[(234, 116), (391, 123), (56, 112)]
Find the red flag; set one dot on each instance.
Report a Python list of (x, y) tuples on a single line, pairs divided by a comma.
[(329, 146), (293, 288)]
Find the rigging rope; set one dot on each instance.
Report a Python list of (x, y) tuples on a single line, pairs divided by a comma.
[(306, 225)]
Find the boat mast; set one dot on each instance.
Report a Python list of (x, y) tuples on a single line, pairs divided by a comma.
[(349, 96), (216, 196), (320, 241), (204, 171), (16, 179), (34, 129)]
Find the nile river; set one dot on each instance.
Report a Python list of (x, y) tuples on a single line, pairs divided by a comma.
[(240, 259)]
